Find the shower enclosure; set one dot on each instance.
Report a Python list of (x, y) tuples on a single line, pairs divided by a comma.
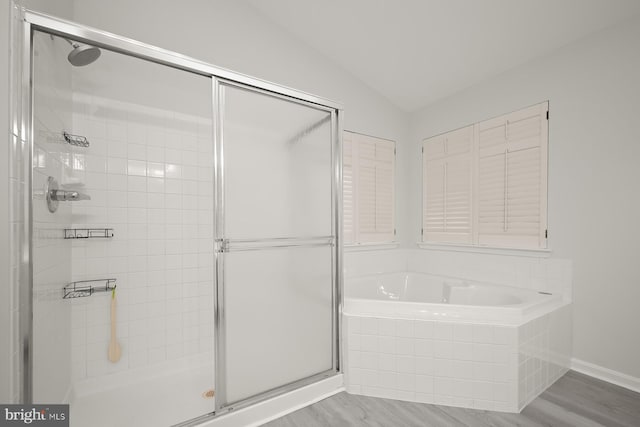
[(179, 231)]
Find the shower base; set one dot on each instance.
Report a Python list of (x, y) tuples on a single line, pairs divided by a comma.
[(163, 399)]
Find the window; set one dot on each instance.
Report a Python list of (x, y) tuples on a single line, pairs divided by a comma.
[(486, 184), (369, 183)]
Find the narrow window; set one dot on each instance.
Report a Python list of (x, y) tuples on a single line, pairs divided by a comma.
[(369, 187)]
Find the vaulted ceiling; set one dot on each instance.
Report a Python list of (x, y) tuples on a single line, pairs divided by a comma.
[(415, 52)]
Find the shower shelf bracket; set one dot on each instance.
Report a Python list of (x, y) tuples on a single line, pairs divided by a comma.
[(86, 288), (76, 140), (88, 233)]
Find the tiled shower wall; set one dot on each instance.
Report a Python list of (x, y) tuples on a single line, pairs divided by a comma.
[(149, 173)]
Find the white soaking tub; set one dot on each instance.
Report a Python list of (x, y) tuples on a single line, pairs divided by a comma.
[(424, 296), (433, 339)]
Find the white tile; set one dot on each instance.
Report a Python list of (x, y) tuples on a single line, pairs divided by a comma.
[(462, 350), (155, 170), (443, 368), (137, 168), (443, 349), (482, 371), (423, 348), (424, 384), (369, 377), (157, 354), (483, 334), (462, 369), (173, 171), (463, 332), (502, 392), (387, 345), (354, 377), (442, 387), (443, 331), (405, 346), (155, 185), (136, 152), (387, 327), (482, 390), (406, 382), (116, 130), (387, 379), (369, 360), (155, 154), (462, 388), (115, 149), (482, 352), (388, 362), (136, 183), (424, 365), (369, 343), (406, 364), (404, 328)]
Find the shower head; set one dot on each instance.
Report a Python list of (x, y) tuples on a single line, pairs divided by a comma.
[(82, 54)]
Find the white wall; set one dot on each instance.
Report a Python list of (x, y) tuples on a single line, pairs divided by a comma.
[(594, 178)]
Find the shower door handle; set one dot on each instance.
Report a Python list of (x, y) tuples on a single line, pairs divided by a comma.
[(234, 245)]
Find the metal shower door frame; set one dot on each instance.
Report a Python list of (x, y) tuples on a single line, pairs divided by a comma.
[(25, 23), (223, 245)]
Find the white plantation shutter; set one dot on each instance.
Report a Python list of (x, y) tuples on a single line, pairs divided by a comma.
[(486, 184), (512, 179), (366, 177), (348, 189), (447, 203), (385, 162), (369, 171)]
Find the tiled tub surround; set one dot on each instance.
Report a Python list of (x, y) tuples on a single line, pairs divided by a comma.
[(456, 357)]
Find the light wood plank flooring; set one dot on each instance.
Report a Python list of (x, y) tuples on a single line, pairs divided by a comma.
[(574, 400)]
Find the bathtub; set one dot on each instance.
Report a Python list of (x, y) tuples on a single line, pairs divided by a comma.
[(434, 339), (424, 296)]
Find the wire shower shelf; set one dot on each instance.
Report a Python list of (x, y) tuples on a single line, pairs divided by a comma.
[(86, 288)]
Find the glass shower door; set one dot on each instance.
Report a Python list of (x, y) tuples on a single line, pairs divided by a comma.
[(275, 247)]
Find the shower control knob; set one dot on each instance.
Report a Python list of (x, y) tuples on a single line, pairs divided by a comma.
[(68, 196), (54, 195)]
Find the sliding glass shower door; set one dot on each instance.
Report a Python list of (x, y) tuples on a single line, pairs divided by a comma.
[(275, 243)]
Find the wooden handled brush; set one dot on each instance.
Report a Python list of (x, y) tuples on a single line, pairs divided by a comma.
[(114, 348)]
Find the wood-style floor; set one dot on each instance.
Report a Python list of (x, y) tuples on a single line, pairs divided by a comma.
[(574, 400)]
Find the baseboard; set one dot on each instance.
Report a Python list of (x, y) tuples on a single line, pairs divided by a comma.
[(605, 374)]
